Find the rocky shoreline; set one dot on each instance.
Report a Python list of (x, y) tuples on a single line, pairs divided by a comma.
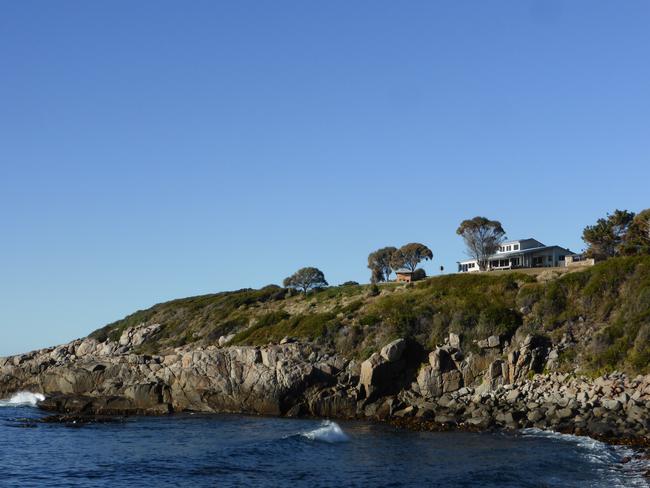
[(441, 389)]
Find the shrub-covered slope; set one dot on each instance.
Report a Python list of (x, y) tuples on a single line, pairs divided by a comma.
[(599, 318)]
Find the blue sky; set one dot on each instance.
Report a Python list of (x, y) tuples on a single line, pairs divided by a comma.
[(154, 150)]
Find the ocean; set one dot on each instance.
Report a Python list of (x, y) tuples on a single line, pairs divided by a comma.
[(234, 450)]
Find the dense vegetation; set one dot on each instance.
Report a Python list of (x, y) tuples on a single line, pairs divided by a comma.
[(601, 314), (621, 233), (606, 308)]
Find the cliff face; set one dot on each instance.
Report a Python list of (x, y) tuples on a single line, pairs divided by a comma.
[(90, 376), (503, 350), (293, 379)]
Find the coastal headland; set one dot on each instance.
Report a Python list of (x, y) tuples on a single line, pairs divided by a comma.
[(567, 352)]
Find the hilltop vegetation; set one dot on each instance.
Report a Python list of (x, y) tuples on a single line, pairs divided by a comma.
[(605, 308), (599, 317)]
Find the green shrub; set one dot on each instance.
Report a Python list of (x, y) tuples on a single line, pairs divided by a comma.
[(312, 326), (334, 292), (352, 307), (370, 319), (401, 313), (498, 320)]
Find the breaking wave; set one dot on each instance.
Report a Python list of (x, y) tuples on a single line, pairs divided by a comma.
[(608, 457), (23, 399), (582, 441), (327, 432)]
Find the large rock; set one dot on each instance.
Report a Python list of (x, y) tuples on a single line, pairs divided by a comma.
[(381, 373), (452, 381), (331, 402), (135, 336), (530, 357), (379, 376), (394, 350), (496, 374), (442, 375), (429, 382), (223, 340), (441, 360), (87, 346)]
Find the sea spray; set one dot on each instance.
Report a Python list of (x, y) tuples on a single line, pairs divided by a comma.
[(23, 399), (327, 432)]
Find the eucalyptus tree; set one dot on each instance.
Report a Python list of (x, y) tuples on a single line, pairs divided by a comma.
[(379, 264), (410, 255), (482, 237), (306, 279)]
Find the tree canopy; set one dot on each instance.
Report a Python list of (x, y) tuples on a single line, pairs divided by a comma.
[(418, 274), (606, 238), (379, 264), (410, 255), (637, 238), (306, 279), (620, 233), (482, 237)]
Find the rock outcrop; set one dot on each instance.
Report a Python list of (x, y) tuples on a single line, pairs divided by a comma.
[(109, 378), (499, 389), (443, 374), (380, 372)]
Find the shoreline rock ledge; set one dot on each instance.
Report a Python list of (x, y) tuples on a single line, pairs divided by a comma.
[(446, 388)]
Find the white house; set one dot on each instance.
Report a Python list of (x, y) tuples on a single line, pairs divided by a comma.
[(524, 253)]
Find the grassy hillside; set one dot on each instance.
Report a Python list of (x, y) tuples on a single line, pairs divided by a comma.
[(601, 315)]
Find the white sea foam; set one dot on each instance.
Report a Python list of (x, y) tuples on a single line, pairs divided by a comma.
[(582, 441), (23, 399), (327, 432), (607, 457)]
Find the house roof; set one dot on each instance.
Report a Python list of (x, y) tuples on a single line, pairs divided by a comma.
[(403, 271), (514, 241)]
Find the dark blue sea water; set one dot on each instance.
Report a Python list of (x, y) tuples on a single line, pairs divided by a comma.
[(229, 450)]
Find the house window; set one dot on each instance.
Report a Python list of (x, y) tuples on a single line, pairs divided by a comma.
[(561, 257), (538, 260), (514, 262), (549, 259), (508, 248), (516, 247)]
